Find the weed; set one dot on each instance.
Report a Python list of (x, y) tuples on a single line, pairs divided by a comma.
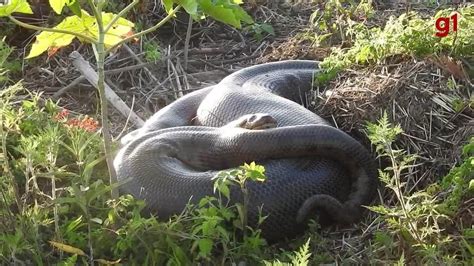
[(329, 23), (152, 51), (56, 205), (300, 257), (407, 34), (259, 29), (5, 51), (417, 223)]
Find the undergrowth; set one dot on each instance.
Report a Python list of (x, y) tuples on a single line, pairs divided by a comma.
[(407, 34), (417, 227), (56, 206)]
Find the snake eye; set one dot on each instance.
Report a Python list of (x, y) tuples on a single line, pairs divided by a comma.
[(252, 118)]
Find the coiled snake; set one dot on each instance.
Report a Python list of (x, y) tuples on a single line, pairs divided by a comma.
[(254, 114)]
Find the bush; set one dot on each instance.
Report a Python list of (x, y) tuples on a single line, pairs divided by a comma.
[(409, 34)]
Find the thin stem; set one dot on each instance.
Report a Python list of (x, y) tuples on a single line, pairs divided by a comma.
[(89, 233), (6, 167), (136, 35), (104, 110), (121, 14), (97, 11), (245, 194), (398, 193), (186, 43), (33, 27)]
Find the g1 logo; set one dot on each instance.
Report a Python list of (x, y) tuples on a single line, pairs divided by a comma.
[(443, 25)]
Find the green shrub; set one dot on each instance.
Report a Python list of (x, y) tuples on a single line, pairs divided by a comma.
[(409, 34), (416, 226), (56, 205), (5, 51)]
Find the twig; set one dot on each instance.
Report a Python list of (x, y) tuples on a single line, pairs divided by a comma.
[(186, 41), (81, 78), (71, 85), (33, 27), (126, 122), (137, 35), (127, 48), (212, 63), (235, 60), (215, 66), (178, 94), (207, 50), (85, 68)]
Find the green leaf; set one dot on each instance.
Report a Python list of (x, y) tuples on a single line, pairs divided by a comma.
[(15, 6), (96, 220), (86, 174), (224, 189), (205, 247), (117, 32), (67, 248), (75, 7), (224, 11), (48, 40), (241, 210), (254, 172), (57, 5), (189, 5), (168, 5), (267, 28), (71, 261), (85, 25)]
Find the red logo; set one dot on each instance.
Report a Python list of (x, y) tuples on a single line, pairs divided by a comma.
[(443, 27)]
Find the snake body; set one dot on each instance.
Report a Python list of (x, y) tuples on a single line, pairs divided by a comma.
[(311, 167)]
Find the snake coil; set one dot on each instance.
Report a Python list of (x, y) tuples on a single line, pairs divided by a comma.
[(311, 167)]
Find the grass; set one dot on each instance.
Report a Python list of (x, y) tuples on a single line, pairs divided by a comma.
[(407, 34)]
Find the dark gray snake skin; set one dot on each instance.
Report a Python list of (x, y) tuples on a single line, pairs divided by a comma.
[(312, 168)]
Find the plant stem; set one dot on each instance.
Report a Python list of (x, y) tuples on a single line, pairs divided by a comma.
[(104, 111), (89, 234), (397, 174), (136, 35), (245, 193), (121, 14), (33, 27), (6, 167), (186, 43)]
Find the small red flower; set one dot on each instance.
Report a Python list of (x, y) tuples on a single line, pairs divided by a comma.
[(87, 123), (61, 115)]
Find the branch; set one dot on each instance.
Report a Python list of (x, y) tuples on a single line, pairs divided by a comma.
[(186, 42), (98, 16), (86, 70), (120, 15), (136, 35), (33, 27)]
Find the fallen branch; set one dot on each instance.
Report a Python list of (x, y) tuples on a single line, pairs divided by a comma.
[(71, 85), (88, 72)]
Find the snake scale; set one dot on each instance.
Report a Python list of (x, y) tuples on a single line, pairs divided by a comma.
[(254, 114)]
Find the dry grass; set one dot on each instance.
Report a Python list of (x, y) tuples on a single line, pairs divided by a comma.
[(416, 95)]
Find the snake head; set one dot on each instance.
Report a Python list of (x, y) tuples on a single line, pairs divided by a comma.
[(254, 121)]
